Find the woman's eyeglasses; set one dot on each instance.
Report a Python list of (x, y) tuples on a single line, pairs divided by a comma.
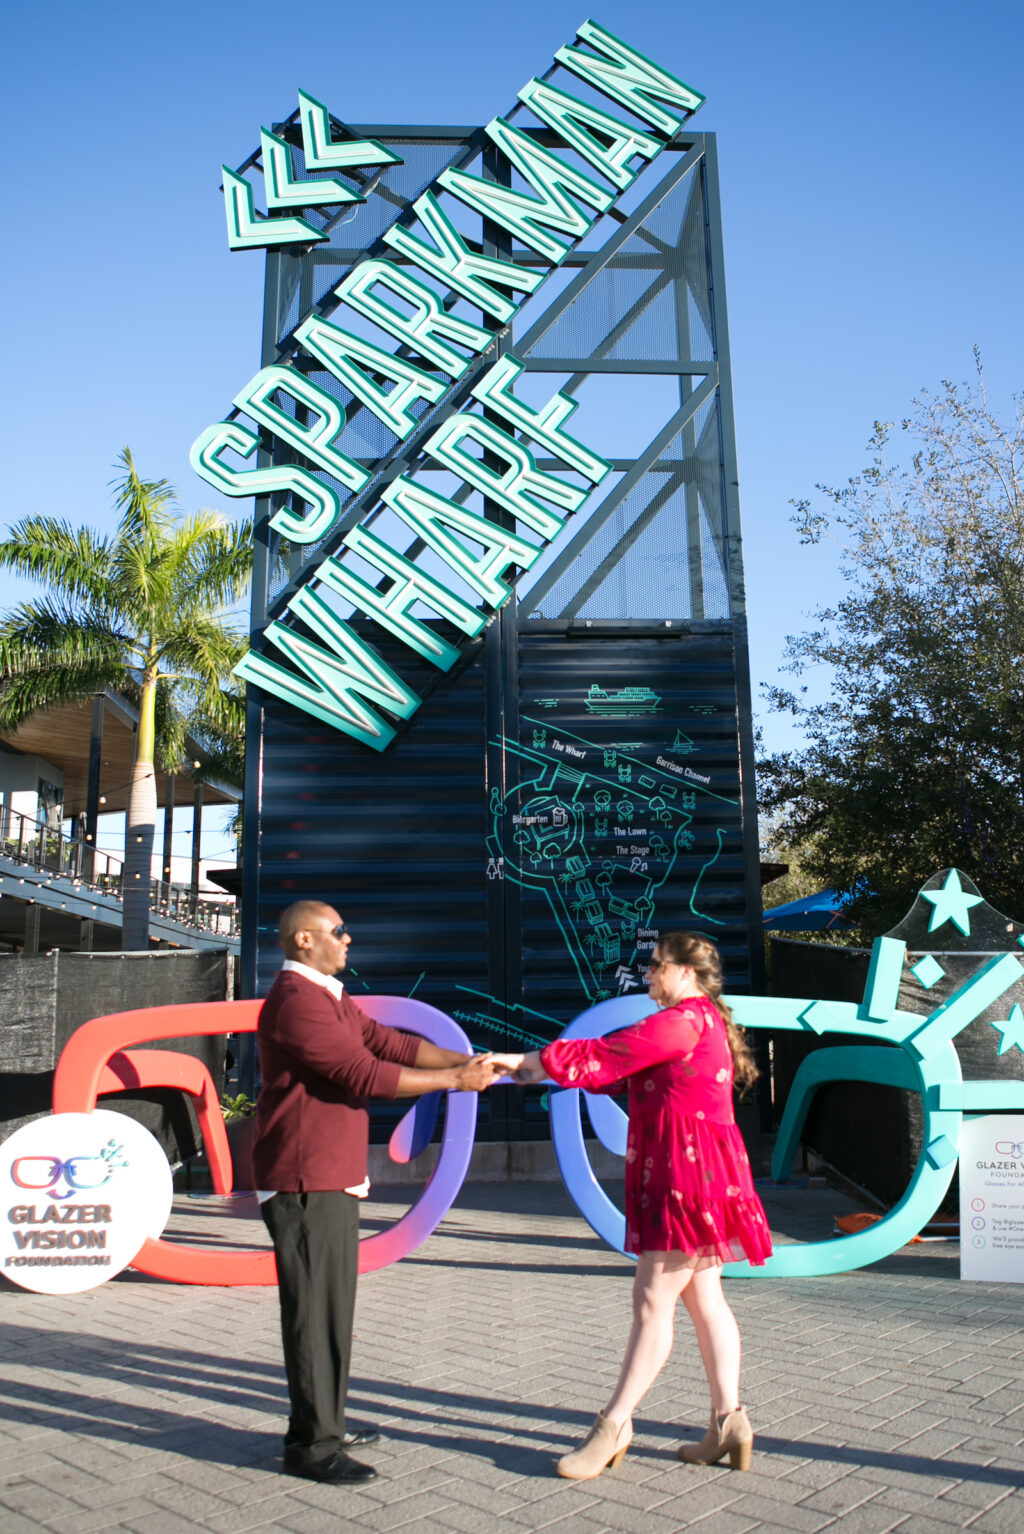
[(656, 964)]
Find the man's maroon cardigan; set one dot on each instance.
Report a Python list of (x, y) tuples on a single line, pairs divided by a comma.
[(320, 1060)]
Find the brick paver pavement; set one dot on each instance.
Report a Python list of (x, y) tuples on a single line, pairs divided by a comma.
[(885, 1399)]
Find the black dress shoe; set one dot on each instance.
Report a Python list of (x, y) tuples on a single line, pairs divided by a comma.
[(336, 1467), (359, 1438)]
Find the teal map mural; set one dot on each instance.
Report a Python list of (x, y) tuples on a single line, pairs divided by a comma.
[(599, 830)]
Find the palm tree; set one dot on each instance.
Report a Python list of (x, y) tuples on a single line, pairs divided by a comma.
[(142, 612)]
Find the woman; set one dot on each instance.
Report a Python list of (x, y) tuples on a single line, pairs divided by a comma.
[(690, 1200)]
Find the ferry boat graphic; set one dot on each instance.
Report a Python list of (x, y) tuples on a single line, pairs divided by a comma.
[(624, 704)]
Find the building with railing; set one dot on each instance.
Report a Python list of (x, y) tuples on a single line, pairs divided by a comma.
[(59, 773)]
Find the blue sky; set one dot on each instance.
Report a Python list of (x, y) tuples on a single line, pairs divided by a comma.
[(870, 162)]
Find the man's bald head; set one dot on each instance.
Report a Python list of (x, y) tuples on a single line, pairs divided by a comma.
[(300, 917)]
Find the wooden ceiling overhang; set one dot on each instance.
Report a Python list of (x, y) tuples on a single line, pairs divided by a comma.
[(61, 735)]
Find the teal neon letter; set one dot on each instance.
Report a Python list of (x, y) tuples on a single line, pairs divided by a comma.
[(518, 488), (257, 400), (545, 425), (421, 330), (391, 608), (631, 79), (334, 681), (205, 459), (607, 142), (529, 218), (430, 515), (341, 353), (451, 259)]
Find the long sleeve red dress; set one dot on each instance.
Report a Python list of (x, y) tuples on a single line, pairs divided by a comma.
[(688, 1182)]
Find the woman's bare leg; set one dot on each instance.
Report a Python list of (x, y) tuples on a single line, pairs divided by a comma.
[(718, 1336), (660, 1279)]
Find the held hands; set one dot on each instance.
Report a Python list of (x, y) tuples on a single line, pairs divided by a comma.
[(479, 1073), (482, 1071), (523, 1069)]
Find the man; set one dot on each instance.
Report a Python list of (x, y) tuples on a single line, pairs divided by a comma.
[(320, 1059)]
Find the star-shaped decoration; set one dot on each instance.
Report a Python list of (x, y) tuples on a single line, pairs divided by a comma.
[(951, 903), (1011, 1031)]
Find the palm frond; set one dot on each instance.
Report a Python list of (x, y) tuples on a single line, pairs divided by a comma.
[(32, 692), (215, 561), (171, 728), (203, 648), (145, 504), (217, 725), (48, 632), (143, 578), (76, 562)]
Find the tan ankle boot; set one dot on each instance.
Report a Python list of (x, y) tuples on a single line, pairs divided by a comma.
[(605, 1444), (733, 1435)]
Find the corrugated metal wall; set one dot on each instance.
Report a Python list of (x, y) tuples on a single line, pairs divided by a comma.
[(512, 857)]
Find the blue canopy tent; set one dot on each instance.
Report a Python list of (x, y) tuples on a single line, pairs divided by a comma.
[(815, 913)]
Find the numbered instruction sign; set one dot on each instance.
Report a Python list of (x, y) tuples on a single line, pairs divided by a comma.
[(992, 1198), (81, 1192)]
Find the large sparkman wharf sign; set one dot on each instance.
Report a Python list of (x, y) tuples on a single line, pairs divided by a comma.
[(431, 390)]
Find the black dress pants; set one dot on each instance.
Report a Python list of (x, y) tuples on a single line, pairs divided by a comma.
[(316, 1242)]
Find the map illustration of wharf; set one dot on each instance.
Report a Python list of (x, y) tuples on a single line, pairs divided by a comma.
[(598, 832)]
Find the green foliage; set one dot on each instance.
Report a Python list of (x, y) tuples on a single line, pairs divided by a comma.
[(143, 607), (916, 762), (144, 612), (799, 881), (240, 1107)]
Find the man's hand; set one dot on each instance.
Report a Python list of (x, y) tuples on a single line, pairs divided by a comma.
[(477, 1074)]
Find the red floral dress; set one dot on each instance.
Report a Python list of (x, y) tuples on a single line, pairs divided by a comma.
[(688, 1182)]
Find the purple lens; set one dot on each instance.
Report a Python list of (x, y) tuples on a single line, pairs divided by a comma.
[(456, 1145)]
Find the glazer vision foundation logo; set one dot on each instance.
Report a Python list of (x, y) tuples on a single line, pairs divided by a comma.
[(83, 1191)]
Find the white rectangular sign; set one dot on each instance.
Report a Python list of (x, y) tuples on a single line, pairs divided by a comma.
[(992, 1198)]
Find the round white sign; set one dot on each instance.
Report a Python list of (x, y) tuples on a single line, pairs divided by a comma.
[(81, 1192)]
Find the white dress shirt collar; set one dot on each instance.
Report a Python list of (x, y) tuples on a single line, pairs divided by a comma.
[(329, 982)]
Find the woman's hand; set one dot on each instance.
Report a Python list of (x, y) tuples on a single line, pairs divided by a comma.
[(530, 1069), (523, 1069), (508, 1064)]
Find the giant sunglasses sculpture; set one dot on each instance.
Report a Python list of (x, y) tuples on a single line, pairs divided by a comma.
[(99, 1059)]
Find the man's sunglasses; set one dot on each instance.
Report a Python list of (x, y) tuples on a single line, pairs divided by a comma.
[(338, 931)]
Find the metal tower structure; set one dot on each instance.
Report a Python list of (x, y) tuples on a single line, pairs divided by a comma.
[(583, 777)]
